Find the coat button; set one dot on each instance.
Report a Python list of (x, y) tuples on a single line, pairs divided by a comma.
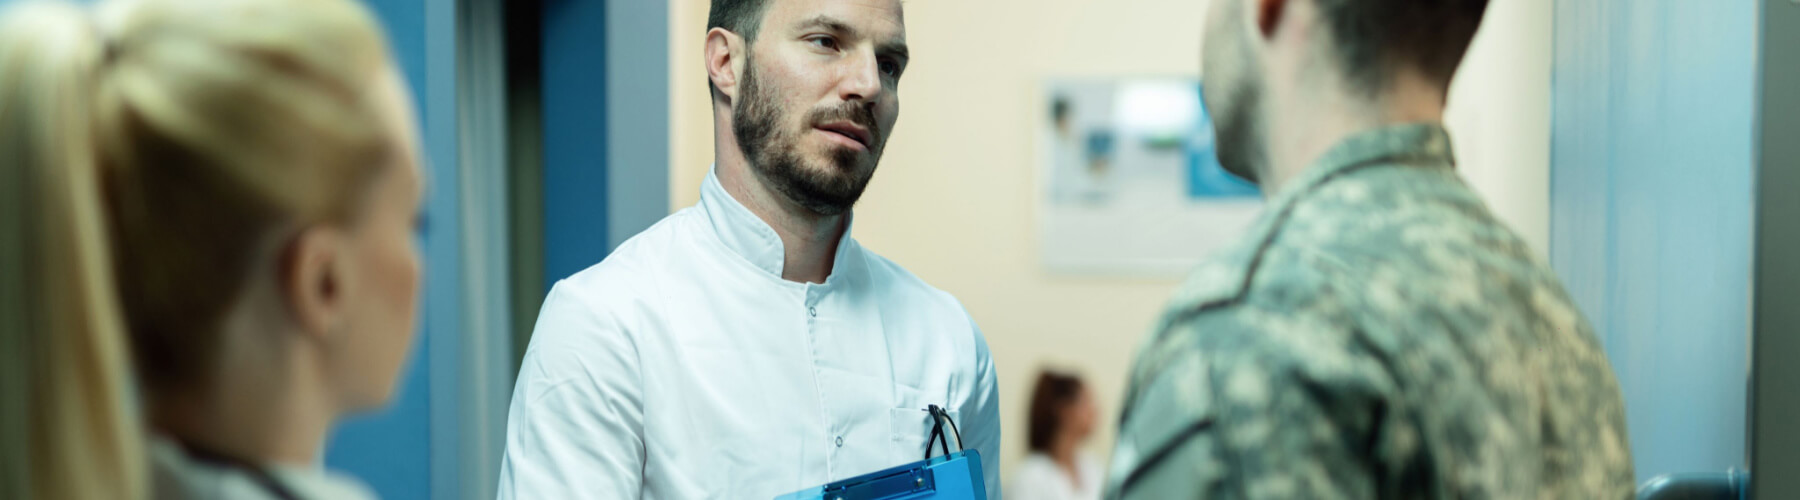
[(812, 311), (840, 441)]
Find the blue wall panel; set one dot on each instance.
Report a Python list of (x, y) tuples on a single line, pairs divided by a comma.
[(575, 185), (1651, 202)]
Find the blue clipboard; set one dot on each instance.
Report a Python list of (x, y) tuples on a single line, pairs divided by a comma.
[(956, 476)]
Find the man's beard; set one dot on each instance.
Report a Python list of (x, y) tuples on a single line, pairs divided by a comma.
[(775, 156), (1238, 137), (1239, 140)]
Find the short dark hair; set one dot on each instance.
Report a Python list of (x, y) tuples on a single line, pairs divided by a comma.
[(743, 17), (1053, 394), (1375, 37)]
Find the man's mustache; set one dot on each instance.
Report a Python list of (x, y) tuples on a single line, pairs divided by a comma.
[(861, 114)]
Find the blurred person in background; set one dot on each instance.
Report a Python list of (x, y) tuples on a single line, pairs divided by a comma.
[(1062, 418), (1377, 333), (253, 165), (748, 346)]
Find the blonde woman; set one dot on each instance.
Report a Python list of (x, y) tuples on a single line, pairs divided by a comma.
[(250, 167)]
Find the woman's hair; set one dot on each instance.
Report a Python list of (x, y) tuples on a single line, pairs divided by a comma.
[(1050, 397), (220, 124), (151, 151), (67, 428)]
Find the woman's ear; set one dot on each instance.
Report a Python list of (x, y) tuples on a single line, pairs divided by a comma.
[(724, 61), (312, 270)]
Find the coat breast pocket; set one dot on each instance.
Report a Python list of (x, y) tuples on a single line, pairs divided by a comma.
[(910, 435)]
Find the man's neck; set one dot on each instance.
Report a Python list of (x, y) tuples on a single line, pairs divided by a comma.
[(1304, 128), (809, 241)]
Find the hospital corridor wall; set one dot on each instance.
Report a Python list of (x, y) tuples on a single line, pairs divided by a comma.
[(1623, 139)]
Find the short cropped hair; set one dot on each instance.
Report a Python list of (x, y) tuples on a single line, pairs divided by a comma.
[(743, 17), (1374, 38)]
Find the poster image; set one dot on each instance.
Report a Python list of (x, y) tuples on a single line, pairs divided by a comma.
[(1130, 184)]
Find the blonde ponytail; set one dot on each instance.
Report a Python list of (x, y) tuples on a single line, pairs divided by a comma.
[(68, 426)]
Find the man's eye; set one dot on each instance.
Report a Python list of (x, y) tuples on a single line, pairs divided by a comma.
[(825, 42), (889, 68)]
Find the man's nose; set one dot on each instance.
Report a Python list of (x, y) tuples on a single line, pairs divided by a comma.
[(861, 79)]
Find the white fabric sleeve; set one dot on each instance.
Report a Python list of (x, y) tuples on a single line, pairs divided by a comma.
[(576, 427), (981, 415)]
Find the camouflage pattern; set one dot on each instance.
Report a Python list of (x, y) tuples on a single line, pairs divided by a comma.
[(1377, 334)]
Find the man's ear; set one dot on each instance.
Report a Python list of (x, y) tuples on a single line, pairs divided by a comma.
[(1268, 15), (312, 273), (724, 60)]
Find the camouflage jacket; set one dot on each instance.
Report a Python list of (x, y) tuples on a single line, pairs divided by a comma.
[(1376, 334)]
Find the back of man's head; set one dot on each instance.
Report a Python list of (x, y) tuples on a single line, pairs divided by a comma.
[(1375, 38)]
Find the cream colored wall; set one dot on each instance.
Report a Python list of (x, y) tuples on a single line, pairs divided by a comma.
[(954, 200), (1499, 116)]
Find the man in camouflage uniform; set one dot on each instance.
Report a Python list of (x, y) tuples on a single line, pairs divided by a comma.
[(1377, 333)]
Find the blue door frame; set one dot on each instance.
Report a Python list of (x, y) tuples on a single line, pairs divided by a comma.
[(575, 137), (414, 449), (606, 127)]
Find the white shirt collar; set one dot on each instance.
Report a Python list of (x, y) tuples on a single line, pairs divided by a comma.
[(750, 237), (177, 475)]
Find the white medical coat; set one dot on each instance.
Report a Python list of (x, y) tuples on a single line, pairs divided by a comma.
[(683, 366)]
